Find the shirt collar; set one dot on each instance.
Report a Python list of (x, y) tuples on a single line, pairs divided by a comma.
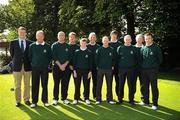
[(92, 43), (40, 43), (71, 43), (21, 40), (61, 42), (83, 49), (105, 47), (127, 45), (139, 46)]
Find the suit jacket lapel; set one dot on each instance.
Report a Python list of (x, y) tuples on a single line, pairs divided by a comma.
[(17, 43)]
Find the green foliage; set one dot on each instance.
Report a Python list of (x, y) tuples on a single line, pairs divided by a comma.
[(161, 17), (3, 21), (12, 34), (71, 16), (100, 16), (17, 13), (45, 17)]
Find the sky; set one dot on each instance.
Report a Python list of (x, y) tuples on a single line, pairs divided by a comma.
[(4, 2)]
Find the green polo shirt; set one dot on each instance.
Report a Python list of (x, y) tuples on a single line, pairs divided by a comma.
[(60, 52), (82, 59), (127, 57), (105, 58), (151, 56), (40, 55)]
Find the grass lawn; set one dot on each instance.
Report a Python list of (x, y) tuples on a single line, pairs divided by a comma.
[(169, 104)]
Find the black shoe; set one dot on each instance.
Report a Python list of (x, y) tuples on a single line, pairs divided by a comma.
[(27, 103), (94, 98), (119, 102), (12, 89), (18, 104), (132, 102), (80, 99)]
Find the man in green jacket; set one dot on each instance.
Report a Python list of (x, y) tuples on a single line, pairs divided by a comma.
[(40, 57), (139, 44), (82, 69), (105, 61), (115, 43), (127, 59), (151, 60), (73, 47), (61, 58), (93, 46)]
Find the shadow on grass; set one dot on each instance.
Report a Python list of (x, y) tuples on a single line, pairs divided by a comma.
[(44, 113), (102, 111)]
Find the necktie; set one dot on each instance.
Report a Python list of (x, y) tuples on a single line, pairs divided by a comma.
[(22, 46)]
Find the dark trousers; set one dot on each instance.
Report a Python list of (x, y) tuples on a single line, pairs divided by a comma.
[(37, 75), (129, 74), (94, 81), (84, 75), (69, 76), (63, 77), (115, 73), (138, 73), (149, 76), (108, 76)]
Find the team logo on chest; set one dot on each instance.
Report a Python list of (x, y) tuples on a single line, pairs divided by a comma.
[(131, 52), (66, 49), (110, 54), (44, 51), (151, 53), (86, 56)]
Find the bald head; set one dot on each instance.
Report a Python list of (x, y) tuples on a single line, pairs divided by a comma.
[(127, 40), (92, 37), (61, 36), (40, 36)]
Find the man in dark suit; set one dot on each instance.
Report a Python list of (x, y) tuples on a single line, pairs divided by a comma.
[(21, 66)]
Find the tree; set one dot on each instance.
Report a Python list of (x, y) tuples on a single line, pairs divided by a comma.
[(171, 36), (76, 15), (45, 17), (16, 13), (116, 14), (161, 17)]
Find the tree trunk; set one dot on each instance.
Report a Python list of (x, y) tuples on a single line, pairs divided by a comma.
[(130, 25)]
